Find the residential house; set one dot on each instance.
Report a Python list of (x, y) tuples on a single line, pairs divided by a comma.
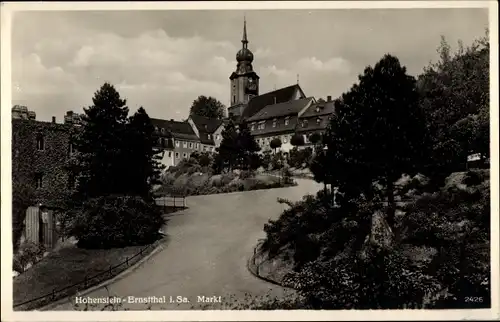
[(315, 119), (208, 130), (278, 121), (179, 139)]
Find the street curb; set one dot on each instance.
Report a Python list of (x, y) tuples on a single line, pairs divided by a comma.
[(254, 273), (114, 279)]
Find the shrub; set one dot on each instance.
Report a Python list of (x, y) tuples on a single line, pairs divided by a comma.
[(115, 221), (247, 174), (29, 253), (22, 197)]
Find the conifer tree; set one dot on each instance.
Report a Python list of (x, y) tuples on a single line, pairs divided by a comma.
[(247, 147), (143, 160), (228, 151), (100, 145)]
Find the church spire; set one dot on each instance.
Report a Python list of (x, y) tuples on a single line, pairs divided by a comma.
[(244, 41)]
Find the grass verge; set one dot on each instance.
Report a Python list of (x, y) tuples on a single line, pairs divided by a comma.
[(68, 266)]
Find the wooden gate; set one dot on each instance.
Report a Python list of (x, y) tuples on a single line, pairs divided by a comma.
[(40, 227)]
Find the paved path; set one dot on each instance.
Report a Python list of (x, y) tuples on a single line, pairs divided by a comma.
[(208, 248)]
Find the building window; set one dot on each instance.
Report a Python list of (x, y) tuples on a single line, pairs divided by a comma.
[(252, 127), (190, 145), (177, 143), (40, 143), (285, 139), (304, 123), (234, 98), (317, 109), (156, 128), (162, 130), (318, 120), (209, 136), (38, 180), (176, 155), (169, 154), (287, 121), (197, 146), (274, 122), (204, 148), (184, 144)]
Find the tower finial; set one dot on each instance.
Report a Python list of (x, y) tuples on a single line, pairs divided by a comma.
[(244, 40)]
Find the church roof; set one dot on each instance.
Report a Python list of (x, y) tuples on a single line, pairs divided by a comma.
[(292, 107), (281, 95), (179, 130)]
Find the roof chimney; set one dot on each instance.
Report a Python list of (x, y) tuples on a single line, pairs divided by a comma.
[(329, 98), (171, 120), (53, 119)]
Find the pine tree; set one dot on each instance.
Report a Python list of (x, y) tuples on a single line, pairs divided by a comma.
[(100, 145), (143, 157), (228, 151), (247, 148)]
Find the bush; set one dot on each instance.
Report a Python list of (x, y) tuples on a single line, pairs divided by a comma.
[(115, 221), (29, 253), (247, 174)]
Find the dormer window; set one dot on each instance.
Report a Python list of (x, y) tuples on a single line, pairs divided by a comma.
[(252, 127), (162, 130), (275, 122), (318, 120), (209, 136), (287, 120), (304, 123), (317, 109)]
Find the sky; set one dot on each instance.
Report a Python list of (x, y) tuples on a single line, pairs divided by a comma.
[(163, 60)]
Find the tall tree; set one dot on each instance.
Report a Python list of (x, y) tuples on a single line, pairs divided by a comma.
[(100, 144), (228, 151), (377, 134), (143, 156), (455, 95), (208, 107), (247, 147)]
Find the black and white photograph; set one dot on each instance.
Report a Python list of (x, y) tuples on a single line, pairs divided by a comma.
[(219, 158)]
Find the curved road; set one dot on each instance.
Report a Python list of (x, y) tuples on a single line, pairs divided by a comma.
[(207, 250)]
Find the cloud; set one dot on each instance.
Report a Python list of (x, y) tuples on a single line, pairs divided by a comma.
[(335, 64)]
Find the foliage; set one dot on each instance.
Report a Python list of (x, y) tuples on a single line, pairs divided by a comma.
[(299, 158), (238, 149), (208, 107), (143, 158), (22, 197), (454, 92), (114, 221), (29, 253), (361, 140), (315, 138), (297, 140), (247, 148), (204, 159), (111, 145), (101, 146), (228, 150), (275, 144)]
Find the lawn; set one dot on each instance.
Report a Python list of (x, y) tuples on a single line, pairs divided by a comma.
[(69, 266)]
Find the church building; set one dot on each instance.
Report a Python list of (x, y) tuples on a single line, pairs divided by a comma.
[(275, 114)]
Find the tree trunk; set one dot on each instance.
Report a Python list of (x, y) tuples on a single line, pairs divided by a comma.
[(391, 205)]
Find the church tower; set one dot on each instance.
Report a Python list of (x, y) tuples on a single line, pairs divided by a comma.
[(244, 81)]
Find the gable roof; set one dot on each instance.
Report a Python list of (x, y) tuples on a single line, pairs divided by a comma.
[(205, 124), (179, 130), (281, 109), (325, 108), (281, 95)]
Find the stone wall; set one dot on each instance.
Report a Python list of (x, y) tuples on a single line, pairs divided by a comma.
[(51, 163)]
